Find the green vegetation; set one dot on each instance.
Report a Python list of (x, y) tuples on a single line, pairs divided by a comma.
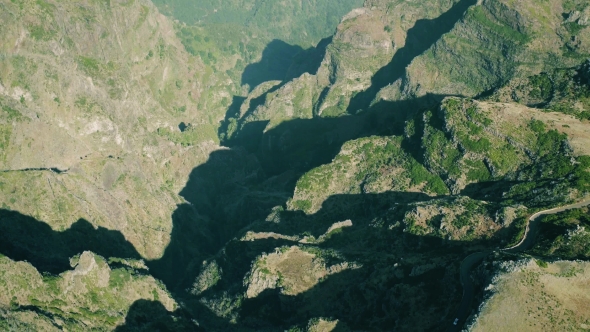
[(438, 148), (484, 18), (303, 205), (119, 277), (462, 220), (471, 208), (481, 145), (103, 306), (417, 183), (564, 90), (226, 42), (554, 164), (46, 7), (573, 27), (378, 155), (87, 105), (11, 114), (541, 263), (541, 86), (537, 126), (90, 66), (98, 70), (5, 133), (478, 171), (519, 225), (24, 68), (39, 33), (565, 235), (568, 218)]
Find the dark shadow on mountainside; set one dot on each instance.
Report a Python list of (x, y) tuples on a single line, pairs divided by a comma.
[(302, 144), (420, 38), (282, 62), (234, 188), (239, 186), (145, 315), (25, 238), (380, 294)]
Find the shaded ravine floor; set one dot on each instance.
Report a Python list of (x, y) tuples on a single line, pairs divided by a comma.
[(471, 261)]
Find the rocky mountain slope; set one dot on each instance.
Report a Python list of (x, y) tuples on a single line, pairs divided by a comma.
[(158, 174), (303, 23), (97, 95)]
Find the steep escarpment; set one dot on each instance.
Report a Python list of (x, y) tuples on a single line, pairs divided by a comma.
[(201, 175), (462, 170), (463, 176), (403, 52), (302, 23), (100, 92)]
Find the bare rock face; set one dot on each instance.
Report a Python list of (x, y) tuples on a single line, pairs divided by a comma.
[(86, 269), (579, 17), (260, 281), (360, 46), (292, 270), (391, 173), (76, 97), (323, 325)]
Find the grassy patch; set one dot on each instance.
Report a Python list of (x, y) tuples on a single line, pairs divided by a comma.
[(477, 171), (541, 86), (90, 66), (39, 33), (5, 133), (573, 27), (482, 17), (11, 114), (541, 263)]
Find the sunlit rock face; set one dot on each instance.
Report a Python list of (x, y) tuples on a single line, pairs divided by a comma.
[(285, 165)]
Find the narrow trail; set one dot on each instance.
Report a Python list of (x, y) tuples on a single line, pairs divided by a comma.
[(532, 226), (474, 259)]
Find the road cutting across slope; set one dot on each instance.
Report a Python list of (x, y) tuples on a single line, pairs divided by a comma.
[(467, 265)]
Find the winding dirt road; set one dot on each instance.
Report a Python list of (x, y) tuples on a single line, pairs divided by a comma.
[(532, 228)]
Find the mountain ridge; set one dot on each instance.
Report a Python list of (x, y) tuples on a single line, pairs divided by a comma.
[(251, 184)]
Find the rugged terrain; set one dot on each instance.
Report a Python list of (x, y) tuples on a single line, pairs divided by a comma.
[(219, 169), (552, 297)]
